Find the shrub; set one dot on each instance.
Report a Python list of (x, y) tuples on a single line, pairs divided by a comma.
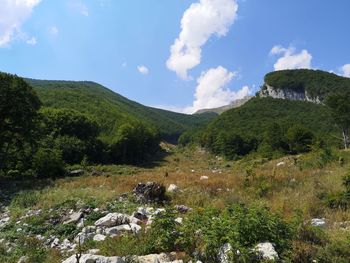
[(48, 163)]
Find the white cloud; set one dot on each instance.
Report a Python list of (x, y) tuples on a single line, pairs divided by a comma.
[(143, 70), (199, 22), (13, 13), (32, 41), (346, 70), (212, 91), (54, 30), (290, 58), (79, 7)]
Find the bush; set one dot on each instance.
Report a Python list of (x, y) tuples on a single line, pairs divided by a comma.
[(48, 163)]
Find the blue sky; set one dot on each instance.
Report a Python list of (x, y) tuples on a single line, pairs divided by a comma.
[(126, 45)]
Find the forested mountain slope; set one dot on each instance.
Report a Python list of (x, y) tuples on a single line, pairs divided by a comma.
[(111, 109)]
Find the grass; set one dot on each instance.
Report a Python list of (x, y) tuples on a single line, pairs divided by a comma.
[(294, 189)]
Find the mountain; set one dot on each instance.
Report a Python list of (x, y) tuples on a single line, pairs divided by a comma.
[(232, 105), (303, 84), (111, 109)]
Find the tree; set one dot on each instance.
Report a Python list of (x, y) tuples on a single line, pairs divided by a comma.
[(339, 107), (299, 139), (18, 111)]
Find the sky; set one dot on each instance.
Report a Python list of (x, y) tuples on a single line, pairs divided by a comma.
[(181, 55)]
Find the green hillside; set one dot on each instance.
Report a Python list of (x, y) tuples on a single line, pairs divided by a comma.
[(111, 109), (245, 127), (316, 83)]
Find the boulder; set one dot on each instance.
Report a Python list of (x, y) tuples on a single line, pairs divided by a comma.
[(266, 251), (224, 253), (318, 222), (159, 258), (113, 219), (99, 237), (78, 172), (149, 192), (73, 218), (118, 230), (89, 258), (173, 188)]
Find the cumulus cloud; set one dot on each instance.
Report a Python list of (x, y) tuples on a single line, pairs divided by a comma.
[(143, 69), (345, 70), (212, 91), (291, 59), (12, 16), (199, 22), (32, 41)]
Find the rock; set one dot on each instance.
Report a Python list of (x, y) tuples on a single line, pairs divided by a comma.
[(204, 177), (141, 213), (182, 209), (73, 218), (78, 172), (113, 219), (149, 192), (99, 237), (158, 258), (281, 164), (173, 188), (93, 251), (225, 252), (80, 223), (318, 222), (179, 220), (55, 243), (4, 221), (266, 251), (118, 230), (87, 233), (89, 258), (23, 259)]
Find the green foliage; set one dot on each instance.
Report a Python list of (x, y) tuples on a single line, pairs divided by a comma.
[(339, 105), (206, 231), (273, 127), (133, 143), (111, 110), (316, 83), (299, 139), (18, 111), (48, 163)]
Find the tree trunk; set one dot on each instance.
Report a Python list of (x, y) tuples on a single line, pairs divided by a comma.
[(346, 138)]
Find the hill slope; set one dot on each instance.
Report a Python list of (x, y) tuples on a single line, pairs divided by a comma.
[(232, 105), (303, 84), (111, 109)]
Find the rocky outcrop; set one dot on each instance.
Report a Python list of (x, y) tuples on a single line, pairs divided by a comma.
[(287, 94)]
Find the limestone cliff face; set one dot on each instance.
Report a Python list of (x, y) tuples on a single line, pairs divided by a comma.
[(287, 94)]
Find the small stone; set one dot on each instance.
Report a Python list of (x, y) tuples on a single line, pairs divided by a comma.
[(173, 188), (99, 237), (204, 177), (318, 222)]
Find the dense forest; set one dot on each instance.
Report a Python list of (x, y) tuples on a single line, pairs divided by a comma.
[(316, 83), (110, 109), (269, 127)]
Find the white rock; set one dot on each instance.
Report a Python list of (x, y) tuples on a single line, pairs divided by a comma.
[(179, 220), (73, 218), (99, 237), (173, 188), (156, 258), (281, 164), (55, 243), (319, 222), (118, 230), (113, 219), (23, 259), (224, 253), (87, 258), (204, 177), (93, 251), (266, 251)]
